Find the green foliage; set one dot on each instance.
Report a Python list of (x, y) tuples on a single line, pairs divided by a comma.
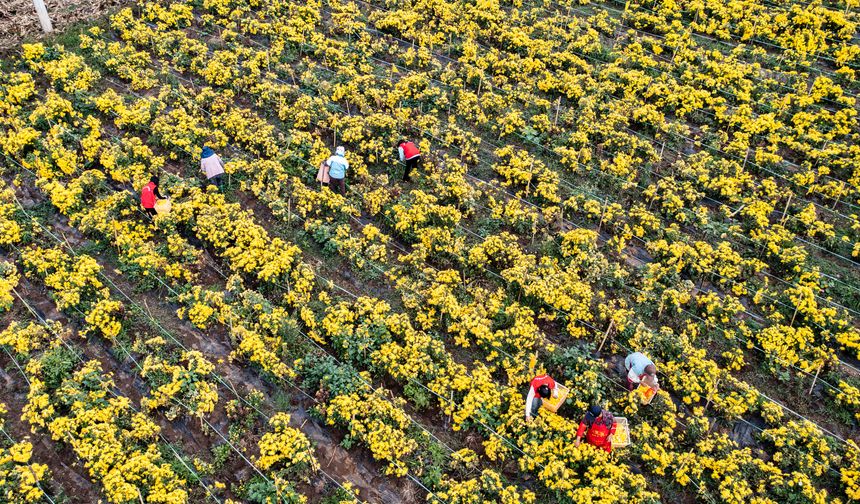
[(58, 364), (326, 374), (220, 455), (183, 467), (261, 491), (430, 462), (418, 395), (584, 375)]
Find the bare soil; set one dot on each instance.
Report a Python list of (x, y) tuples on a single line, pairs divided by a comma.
[(19, 22)]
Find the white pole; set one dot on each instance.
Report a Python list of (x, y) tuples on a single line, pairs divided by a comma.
[(42, 11)]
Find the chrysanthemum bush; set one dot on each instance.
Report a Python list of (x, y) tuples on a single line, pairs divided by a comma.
[(186, 384), (76, 285), (21, 478)]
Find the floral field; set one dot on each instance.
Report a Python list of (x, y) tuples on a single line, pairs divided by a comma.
[(673, 177)]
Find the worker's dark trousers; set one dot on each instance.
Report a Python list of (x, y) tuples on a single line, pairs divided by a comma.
[(338, 185), (410, 164), (536, 403), (217, 180), (150, 211)]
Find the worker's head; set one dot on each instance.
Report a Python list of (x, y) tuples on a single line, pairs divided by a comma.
[(592, 414), (606, 418), (340, 151), (401, 142), (206, 152), (651, 370), (154, 179), (544, 391)]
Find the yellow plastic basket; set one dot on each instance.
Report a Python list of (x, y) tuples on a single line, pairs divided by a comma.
[(646, 394), (554, 403), (621, 438), (162, 206)]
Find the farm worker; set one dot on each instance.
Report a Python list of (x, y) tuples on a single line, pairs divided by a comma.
[(542, 385), (337, 167), (640, 369), (409, 155), (598, 427), (149, 195), (212, 166)]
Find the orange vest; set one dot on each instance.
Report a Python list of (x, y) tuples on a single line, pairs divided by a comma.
[(147, 196), (597, 433), (543, 379), (409, 150)]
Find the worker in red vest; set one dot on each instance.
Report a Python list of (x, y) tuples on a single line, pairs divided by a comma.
[(542, 386), (598, 427), (409, 155), (149, 195)]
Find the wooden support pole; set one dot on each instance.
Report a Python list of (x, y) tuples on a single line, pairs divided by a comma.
[(602, 213), (738, 210), (815, 378), (785, 212), (711, 395), (44, 19), (606, 334), (839, 196), (451, 414)]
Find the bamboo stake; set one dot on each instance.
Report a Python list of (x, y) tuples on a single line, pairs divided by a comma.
[(738, 210), (44, 18), (815, 378), (606, 334), (839, 196), (602, 213), (711, 396), (785, 212)]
